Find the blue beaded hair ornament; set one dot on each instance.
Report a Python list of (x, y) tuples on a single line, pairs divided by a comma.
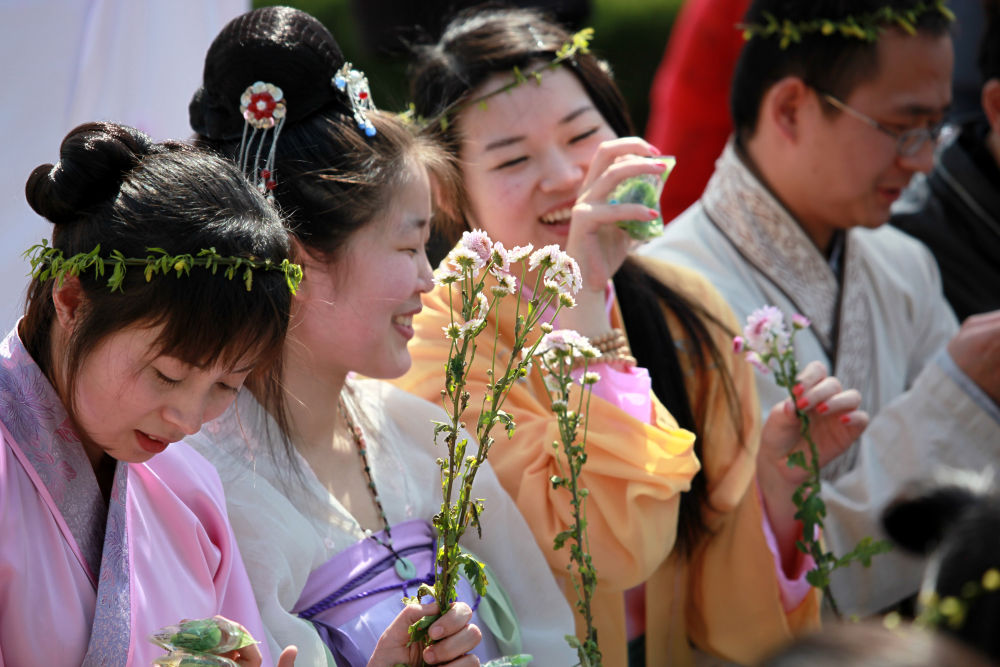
[(354, 84)]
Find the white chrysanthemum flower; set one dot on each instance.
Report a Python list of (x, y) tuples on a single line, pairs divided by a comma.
[(567, 301), (468, 330), (506, 284), (452, 331), (519, 252), (478, 242), (590, 377), (444, 275), (766, 327), (544, 257), (566, 342), (501, 261), (465, 259)]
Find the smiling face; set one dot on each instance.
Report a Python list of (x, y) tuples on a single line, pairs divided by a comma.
[(524, 156), (848, 172), (132, 402), (356, 313)]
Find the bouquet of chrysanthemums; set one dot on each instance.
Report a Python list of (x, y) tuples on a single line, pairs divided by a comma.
[(479, 275)]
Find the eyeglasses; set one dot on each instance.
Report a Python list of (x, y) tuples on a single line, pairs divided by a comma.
[(908, 142)]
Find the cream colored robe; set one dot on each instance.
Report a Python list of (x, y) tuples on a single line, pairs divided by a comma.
[(881, 329), (288, 524)]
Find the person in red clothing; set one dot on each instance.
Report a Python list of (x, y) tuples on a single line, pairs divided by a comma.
[(689, 101)]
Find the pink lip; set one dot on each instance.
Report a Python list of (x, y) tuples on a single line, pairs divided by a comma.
[(148, 444), (890, 194), (405, 331)]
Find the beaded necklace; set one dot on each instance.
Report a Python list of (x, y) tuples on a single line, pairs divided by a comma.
[(404, 567)]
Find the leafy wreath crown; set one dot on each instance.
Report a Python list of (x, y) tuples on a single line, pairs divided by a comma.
[(578, 43), (48, 262), (865, 27)]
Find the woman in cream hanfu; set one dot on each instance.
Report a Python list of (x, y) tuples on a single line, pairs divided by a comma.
[(332, 499)]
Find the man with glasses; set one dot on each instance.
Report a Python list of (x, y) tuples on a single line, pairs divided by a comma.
[(955, 210), (836, 105)]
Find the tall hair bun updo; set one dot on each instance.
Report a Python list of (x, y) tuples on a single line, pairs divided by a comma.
[(247, 51), (93, 161)]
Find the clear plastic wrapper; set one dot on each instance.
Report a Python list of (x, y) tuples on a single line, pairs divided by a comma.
[(510, 661), (195, 643), (185, 659), (643, 189)]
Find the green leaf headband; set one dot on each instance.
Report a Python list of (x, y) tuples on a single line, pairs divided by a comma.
[(48, 262), (865, 27), (578, 43)]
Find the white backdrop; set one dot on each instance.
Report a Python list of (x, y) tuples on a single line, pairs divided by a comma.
[(65, 62)]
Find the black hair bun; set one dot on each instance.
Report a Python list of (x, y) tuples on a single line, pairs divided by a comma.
[(94, 159), (282, 46)]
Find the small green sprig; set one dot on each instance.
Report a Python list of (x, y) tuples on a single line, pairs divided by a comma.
[(558, 354), (578, 43), (50, 263), (768, 345), (865, 27)]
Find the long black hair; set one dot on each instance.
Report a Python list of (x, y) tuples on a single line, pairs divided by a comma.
[(479, 43)]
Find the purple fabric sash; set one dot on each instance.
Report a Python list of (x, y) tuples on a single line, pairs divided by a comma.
[(353, 597)]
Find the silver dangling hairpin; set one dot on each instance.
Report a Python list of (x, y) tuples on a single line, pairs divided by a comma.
[(355, 85), (263, 108)]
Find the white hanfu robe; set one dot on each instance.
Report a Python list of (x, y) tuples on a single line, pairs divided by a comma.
[(84, 582), (881, 326), (288, 525)]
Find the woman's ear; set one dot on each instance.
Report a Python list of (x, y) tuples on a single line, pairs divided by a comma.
[(68, 299)]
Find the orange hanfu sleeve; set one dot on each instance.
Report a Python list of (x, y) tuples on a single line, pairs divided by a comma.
[(635, 471), (731, 603)]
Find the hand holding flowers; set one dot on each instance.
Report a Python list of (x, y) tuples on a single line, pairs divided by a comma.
[(817, 422)]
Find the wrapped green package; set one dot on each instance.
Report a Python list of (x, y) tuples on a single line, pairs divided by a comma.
[(194, 643), (643, 189)]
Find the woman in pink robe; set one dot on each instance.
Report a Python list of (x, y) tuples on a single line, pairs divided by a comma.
[(101, 544), (109, 527)]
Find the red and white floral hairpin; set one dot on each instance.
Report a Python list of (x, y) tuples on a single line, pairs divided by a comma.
[(263, 108)]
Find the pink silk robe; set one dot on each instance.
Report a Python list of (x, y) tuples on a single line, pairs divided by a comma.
[(70, 596)]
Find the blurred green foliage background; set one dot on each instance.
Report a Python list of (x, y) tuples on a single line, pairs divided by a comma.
[(630, 34)]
